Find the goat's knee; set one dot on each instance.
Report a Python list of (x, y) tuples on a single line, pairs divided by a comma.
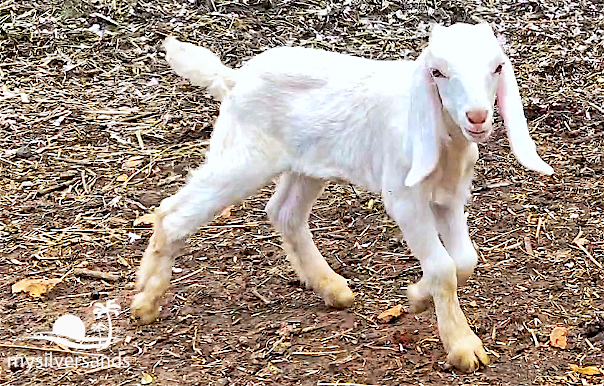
[(438, 276), (466, 262), (289, 208), (285, 218), (419, 296), (454, 231)]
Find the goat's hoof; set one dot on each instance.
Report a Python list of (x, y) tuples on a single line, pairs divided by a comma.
[(144, 310), (335, 292), (418, 300), (467, 353)]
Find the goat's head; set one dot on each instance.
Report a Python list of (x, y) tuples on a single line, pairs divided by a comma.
[(465, 64), (461, 72)]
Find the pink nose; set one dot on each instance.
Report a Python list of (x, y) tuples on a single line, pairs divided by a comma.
[(477, 116)]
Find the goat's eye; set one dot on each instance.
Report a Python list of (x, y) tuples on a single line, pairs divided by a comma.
[(436, 73), (498, 69)]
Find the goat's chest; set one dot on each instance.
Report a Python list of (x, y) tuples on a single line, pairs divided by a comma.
[(450, 180)]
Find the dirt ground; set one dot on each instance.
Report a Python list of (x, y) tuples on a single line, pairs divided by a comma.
[(95, 130)]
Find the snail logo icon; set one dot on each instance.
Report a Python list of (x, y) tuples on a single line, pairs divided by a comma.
[(70, 331)]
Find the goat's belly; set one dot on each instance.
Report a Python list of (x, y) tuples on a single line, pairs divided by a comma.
[(338, 174)]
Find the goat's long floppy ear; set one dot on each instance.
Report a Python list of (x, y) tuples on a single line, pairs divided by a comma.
[(510, 108), (424, 124)]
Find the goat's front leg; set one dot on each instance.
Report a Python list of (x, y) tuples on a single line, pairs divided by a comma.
[(453, 228), (416, 219)]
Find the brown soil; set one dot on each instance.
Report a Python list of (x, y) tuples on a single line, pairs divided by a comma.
[(80, 112)]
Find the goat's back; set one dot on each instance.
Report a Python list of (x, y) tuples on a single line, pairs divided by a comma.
[(329, 114)]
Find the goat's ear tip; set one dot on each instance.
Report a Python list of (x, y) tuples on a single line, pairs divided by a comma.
[(410, 183), (548, 170), (541, 167), (413, 179)]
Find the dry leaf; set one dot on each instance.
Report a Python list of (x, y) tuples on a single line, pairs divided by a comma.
[(391, 314), (149, 218), (587, 370), (133, 162), (558, 337), (285, 330), (122, 177), (226, 212), (146, 379), (35, 287)]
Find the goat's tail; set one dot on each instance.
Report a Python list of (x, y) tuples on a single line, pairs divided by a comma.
[(200, 66)]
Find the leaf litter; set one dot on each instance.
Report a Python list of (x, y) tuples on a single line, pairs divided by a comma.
[(86, 94)]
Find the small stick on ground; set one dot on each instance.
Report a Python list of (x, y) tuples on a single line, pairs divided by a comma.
[(342, 384), (539, 225), (579, 244), (528, 245), (257, 294), (96, 274), (54, 187)]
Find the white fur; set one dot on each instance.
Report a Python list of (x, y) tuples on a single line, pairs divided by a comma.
[(185, 59), (394, 127)]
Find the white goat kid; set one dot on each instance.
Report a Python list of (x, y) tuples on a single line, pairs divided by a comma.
[(407, 129)]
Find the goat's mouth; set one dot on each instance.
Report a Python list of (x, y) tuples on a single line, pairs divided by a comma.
[(478, 135)]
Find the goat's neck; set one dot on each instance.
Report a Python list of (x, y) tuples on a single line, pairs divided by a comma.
[(456, 141), (455, 164)]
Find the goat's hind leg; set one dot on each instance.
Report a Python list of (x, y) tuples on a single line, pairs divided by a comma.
[(220, 182), (153, 276), (288, 210)]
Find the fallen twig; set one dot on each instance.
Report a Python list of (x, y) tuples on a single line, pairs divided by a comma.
[(318, 353), (54, 187), (577, 242), (96, 274), (259, 296)]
